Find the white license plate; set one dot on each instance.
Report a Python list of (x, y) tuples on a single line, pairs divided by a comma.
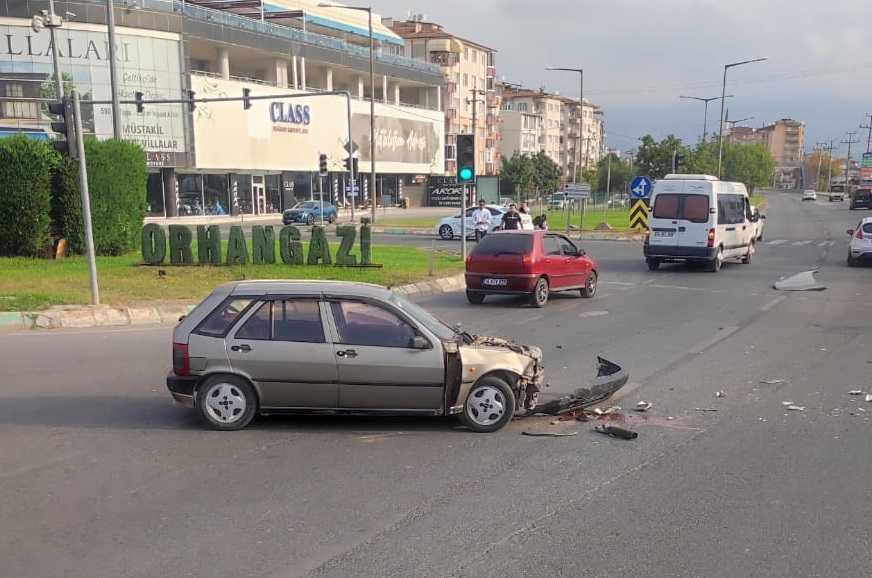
[(498, 282), (664, 233)]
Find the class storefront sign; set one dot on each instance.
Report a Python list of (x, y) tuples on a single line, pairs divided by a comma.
[(176, 244)]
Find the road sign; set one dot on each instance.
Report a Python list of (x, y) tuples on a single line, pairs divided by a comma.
[(577, 190), (639, 214), (356, 188), (641, 187), (867, 160), (350, 147)]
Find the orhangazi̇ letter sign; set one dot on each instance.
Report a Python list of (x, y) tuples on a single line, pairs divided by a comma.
[(176, 241)]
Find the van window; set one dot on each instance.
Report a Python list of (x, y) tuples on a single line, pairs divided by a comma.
[(693, 208), (731, 209)]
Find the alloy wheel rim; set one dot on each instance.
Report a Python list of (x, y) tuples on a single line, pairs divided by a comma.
[(225, 403), (486, 405)]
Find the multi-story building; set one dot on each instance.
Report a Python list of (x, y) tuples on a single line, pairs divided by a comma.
[(469, 98), (785, 140), (253, 158), (520, 132), (568, 141)]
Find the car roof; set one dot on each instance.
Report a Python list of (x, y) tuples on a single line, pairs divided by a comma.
[(302, 286)]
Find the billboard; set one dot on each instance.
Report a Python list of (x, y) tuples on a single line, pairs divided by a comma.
[(443, 192)]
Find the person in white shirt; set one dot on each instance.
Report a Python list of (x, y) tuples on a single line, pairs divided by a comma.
[(481, 219), (526, 218)]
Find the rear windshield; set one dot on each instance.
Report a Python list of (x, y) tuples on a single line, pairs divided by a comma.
[(509, 243), (867, 228), (862, 194), (693, 208)]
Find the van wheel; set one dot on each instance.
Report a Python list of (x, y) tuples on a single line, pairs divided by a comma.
[(653, 263), (539, 296), (475, 297), (589, 289), (716, 263), (746, 260)]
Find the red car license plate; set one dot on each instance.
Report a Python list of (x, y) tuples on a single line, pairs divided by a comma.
[(494, 281)]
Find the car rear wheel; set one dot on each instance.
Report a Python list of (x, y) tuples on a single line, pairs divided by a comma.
[(490, 405), (310, 219), (589, 289), (446, 232), (851, 261), (331, 219), (475, 297), (539, 296), (226, 402), (716, 263), (653, 263)]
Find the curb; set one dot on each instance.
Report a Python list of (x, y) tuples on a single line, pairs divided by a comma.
[(72, 316)]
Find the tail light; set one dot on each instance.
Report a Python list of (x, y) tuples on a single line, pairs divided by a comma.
[(647, 236), (468, 258), (181, 361), (859, 233), (711, 238)]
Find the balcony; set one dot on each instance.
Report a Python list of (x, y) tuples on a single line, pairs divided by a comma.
[(451, 113), (231, 20), (489, 143), (493, 100), (450, 166), (491, 119), (450, 139), (450, 87), (443, 59)]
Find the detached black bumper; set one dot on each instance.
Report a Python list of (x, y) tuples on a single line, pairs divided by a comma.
[(182, 388)]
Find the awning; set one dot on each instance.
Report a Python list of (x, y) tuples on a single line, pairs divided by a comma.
[(344, 19)]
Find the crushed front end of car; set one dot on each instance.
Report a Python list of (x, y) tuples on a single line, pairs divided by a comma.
[(521, 365)]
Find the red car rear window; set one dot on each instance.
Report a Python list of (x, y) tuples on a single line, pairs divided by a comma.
[(504, 244)]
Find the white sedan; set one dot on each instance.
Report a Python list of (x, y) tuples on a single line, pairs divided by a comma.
[(449, 227), (809, 195)]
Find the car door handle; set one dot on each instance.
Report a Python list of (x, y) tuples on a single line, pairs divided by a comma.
[(347, 353), (243, 347)]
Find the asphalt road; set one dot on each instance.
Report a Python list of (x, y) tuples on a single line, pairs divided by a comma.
[(103, 476)]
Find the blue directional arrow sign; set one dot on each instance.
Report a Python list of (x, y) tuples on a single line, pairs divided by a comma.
[(641, 187)]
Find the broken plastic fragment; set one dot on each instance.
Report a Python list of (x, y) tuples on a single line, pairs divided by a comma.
[(856, 392), (615, 431), (773, 381), (720, 393), (786, 403), (868, 397), (644, 406), (804, 281), (549, 434), (795, 408), (705, 409)]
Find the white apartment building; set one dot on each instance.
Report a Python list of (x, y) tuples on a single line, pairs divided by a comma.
[(520, 132), (469, 96)]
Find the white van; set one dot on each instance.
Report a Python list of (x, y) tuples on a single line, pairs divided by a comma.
[(699, 218)]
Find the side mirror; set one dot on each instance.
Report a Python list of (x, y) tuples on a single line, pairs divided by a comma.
[(419, 342), (851, 232)]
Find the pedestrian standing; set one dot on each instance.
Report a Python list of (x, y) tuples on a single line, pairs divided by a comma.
[(512, 219), (481, 219)]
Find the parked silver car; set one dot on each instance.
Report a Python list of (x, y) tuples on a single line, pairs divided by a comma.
[(278, 346)]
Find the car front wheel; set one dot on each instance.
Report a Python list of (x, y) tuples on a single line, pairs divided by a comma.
[(589, 289), (310, 219), (446, 232), (226, 402), (490, 405)]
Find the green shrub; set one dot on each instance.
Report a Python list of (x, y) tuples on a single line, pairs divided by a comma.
[(117, 190), (25, 195)]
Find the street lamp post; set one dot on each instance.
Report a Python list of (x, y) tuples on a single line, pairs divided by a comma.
[(113, 76), (48, 19), (705, 110), (723, 97), (580, 72), (368, 10)]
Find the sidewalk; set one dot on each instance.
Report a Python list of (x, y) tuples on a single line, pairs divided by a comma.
[(160, 312)]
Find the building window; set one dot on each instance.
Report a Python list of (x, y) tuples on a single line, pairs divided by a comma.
[(466, 54), (465, 80), (18, 108), (449, 152), (522, 107), (418, 51)]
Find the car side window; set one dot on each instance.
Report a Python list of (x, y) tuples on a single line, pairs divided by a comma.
[(569, 249), (258, 325), (220, 320), (551, 245), (867, 228), (298, 320), (361, 323)]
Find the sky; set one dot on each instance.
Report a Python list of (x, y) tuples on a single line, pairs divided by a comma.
[(639, 56)]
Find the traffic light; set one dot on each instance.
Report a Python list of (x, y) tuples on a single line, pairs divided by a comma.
[(322, 164), (465, 158), (65, 126), (679, 160), (346, 162), (348, 166), (246, 102), (138, 98)]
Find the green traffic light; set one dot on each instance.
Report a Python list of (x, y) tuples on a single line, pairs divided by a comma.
[(465, 174)]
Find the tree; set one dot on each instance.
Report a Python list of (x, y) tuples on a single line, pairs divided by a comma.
[(547, 173), (655, 159), (519, 173), (703, 160), (750, 163)]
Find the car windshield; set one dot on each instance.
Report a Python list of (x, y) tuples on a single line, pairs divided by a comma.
[(424, 317), (306, 205), (504, 244)]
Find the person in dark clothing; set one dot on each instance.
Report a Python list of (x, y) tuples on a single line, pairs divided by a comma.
[(512, 219)]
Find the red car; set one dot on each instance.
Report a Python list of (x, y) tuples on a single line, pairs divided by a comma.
[(532, 263)]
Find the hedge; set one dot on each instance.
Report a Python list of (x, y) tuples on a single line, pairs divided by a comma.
[(117, 190), (25, 195)]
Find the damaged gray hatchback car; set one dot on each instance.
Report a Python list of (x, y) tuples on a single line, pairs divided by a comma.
[(278, 346)]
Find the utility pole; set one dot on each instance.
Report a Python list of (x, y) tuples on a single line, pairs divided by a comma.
[(476, 92), (819, 147), (868, 138), (830, 148), (848, 142)]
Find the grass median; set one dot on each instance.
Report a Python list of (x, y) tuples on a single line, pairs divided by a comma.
[(37, 284)]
